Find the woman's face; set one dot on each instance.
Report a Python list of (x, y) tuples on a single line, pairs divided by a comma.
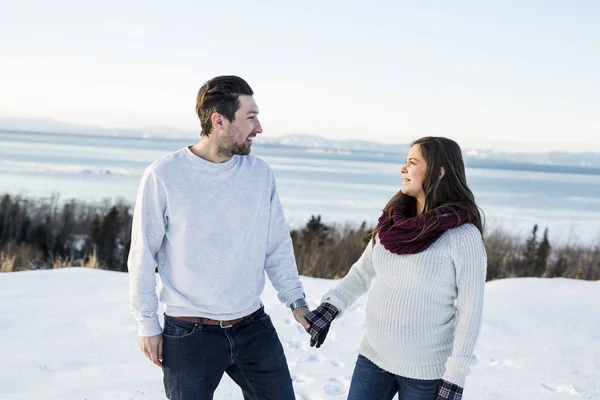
[(413, 173)]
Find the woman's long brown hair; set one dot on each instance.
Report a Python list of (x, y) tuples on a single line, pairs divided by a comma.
[(451, 190)]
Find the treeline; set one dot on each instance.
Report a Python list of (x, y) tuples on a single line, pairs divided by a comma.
[(326, 251), (47, 233)]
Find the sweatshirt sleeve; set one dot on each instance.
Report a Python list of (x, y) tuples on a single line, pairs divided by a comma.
[(356, 283), (148, 230), (280, 262), (470, 261)]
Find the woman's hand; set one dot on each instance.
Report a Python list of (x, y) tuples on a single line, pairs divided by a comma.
[(448, 391), (320, 320)]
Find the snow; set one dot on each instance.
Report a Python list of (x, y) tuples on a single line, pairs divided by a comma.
[(67, 334)]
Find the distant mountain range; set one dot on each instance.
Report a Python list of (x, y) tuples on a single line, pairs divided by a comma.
[(48, 125), (591, 160), (472, 156)]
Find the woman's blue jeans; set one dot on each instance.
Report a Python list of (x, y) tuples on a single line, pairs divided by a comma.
[(369, 382)]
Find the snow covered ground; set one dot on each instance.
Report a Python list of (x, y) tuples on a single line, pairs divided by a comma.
[(67, 334)]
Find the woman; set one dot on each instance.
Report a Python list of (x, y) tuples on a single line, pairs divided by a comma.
[(428, 263)]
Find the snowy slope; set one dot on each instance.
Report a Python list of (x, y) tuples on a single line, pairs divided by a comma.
[(67, 334)]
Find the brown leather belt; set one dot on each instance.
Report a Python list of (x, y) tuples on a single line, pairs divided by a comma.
[(208, 321)]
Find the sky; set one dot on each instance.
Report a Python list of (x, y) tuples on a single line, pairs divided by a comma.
[(516, 75)]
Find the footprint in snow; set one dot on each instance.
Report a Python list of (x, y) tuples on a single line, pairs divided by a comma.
[(315, 359), (293, 344), (508, 364), (303, 379), (335, 387), (567, 389)]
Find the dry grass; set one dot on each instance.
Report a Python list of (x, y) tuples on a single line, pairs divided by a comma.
[(21, 257), (329, 252), (18, 257), (61, 262), (503, 252), (91, 261), (7, 262)]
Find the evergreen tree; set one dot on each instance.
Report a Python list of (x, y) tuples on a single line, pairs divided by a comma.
[(109, 234), (542, 255), (316, 231), (529, 254)]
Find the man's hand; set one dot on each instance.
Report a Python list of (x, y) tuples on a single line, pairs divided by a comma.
[(300, 316), (152, 347)]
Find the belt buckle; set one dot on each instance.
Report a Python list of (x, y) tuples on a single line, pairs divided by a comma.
[(224, 326)]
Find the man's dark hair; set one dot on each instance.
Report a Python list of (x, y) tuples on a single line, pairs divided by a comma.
[(220, 95)]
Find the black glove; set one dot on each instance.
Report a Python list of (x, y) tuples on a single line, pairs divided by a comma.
[(448, 391), (320, 321)]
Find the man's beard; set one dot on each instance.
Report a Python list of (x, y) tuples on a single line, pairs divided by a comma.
[(230, 148)]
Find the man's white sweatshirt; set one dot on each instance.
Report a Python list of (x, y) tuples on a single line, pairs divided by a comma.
[(213, 230)]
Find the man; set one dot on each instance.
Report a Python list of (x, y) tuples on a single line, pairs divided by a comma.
[(210, 218)]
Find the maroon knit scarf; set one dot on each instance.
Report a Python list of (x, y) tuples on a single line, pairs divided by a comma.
[(404, 235)]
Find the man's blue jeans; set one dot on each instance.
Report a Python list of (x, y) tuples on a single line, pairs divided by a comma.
[(195, 356), (369, 382)]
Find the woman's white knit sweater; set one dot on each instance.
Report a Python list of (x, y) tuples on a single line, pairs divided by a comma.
[(424, 310)]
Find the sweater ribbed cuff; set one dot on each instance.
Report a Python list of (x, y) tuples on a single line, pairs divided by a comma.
[(335, 301), (455, 377), (149, 327)]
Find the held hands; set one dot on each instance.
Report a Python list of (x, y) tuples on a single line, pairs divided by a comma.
[(300, 316), (320, 320), (448, 391), (152, 347)]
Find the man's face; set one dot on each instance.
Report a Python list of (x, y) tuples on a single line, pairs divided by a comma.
[(238, 134)]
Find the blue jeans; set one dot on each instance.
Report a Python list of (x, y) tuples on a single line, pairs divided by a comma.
[(195, 356), (369, 382)]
